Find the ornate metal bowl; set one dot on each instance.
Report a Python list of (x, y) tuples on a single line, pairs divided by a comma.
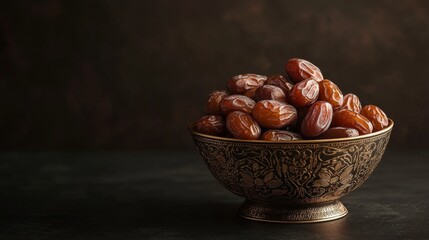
[(293, 181)]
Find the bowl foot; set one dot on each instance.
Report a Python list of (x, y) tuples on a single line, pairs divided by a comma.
[(286, 213)]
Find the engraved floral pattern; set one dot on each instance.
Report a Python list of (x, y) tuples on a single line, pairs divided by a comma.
[(303, 173)]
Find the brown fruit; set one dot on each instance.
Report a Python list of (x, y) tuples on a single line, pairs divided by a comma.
[(280, 135), (212, 125), (274, 114), (250, 93), (299, 69), (377, 117), (338, 132), (236, 103), (351, 102), (330, 93), (304, 93), (245, 82), (279, 81), (317, 120), (212, 106), (350, 119), (270, 92), (242, 126)]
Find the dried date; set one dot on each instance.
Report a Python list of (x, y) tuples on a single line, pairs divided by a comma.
[(212, 106), (299, 69), (338, 132), (351, 102), (236, 103), (331, 93), (212, 125), (245, 82), (279, 81), (280, 135), (317, 120), (274, 114), (270, 92), (304, 93), (242, 126), (377, 117), (350, 119)]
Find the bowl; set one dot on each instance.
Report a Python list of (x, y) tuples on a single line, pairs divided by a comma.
[(292, 181)]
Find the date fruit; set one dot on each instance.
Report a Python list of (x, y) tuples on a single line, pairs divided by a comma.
[(279, 81), (317, 120), (245, 82), (274, 114), (351, 102), (212, 106), (242, 126), (299, 69), (338, 132), (377, 117), (212, 125), (280, 135), (270, 92), (350, 119), (250, 93), (236, 103), (304, 93), (330, 93)]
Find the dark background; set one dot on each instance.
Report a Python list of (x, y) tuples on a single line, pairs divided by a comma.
[(131, 75)]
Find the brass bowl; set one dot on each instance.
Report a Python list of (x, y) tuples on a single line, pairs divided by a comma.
[(292, 181)]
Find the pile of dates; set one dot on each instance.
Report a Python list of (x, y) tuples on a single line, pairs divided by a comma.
[(299, 105)]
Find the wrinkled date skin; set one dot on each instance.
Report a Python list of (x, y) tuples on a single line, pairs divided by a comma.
[(351, 102), (242, 83), (330, 93), (269, 92), (236, 103), (299, 69), (350, 119), (279, 81), (377, 117), (338, 132), (212, 125), (242, 126), (317, 120), (304, 93), (250, 93), (280, 135), (274, 114), (213, 103)]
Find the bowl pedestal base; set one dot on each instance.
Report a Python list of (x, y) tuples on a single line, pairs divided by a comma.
[(291, 213)]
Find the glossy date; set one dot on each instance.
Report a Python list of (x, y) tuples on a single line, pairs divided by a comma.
[(274, 114), (350, 119), (213, 103), (242, 126), (377, 117), (317, 120), (280, 135), (351, 102), (331, 93), (236, 103), (299, 69), (304, 93), (212, 125), (244, 82), (338, 132), (270, 92)]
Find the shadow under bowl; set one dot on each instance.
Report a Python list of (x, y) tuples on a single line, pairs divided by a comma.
[(292, 181)]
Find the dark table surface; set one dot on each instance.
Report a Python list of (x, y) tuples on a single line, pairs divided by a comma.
[(171, 195)]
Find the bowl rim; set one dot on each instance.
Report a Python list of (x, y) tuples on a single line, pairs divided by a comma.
[(311, 141)]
